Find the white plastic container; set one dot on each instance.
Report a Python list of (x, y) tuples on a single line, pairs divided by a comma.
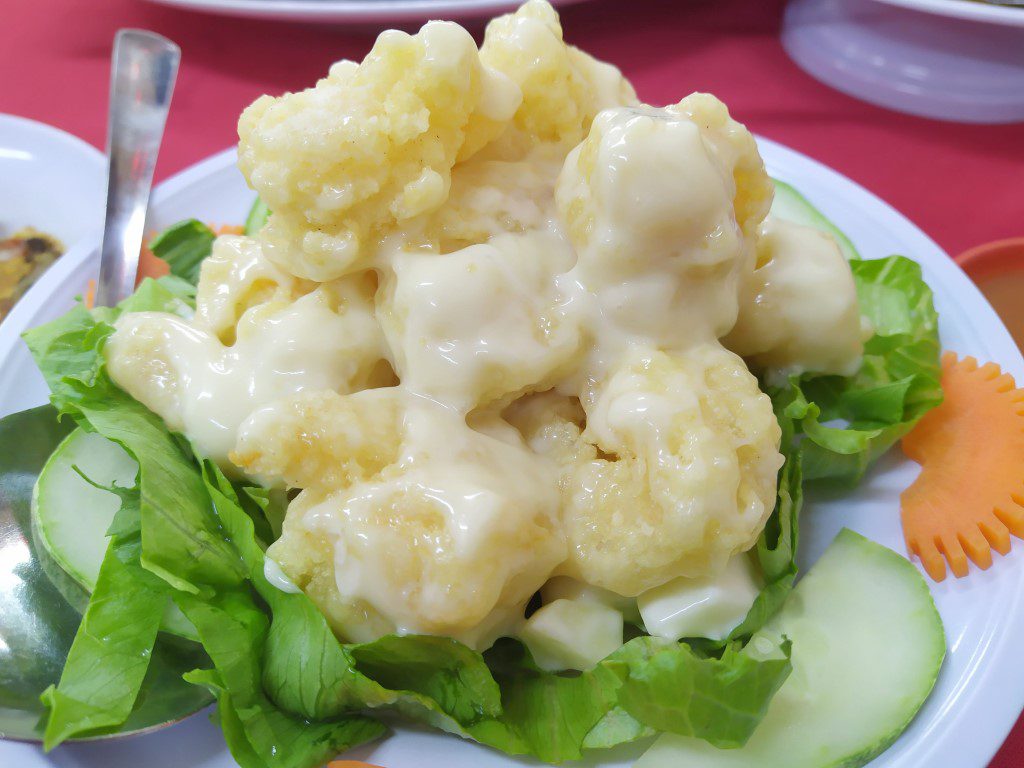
[(945, 59)]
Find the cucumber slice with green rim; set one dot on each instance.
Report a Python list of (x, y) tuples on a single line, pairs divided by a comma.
[(790, 205), (867, 647), (70, 516)]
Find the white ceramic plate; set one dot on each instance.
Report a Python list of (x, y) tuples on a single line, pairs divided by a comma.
[(981, 689), (966, 9), (354, 11)]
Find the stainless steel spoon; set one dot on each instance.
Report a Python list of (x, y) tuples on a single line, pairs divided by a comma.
[(142, 77), (39, 605)]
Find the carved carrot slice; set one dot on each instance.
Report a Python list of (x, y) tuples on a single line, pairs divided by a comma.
[(969, 496)]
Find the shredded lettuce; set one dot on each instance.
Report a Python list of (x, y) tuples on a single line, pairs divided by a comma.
[(262, 735), (233, 631), (721, 700)]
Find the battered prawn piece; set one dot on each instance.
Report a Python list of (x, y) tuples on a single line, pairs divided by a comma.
[(397, 531), (663, 206), (370, 146), (236, 277), (674, 472), (481, 324), (492, 197), (562, 87), (322, 439), (798, 308), (258, 335)]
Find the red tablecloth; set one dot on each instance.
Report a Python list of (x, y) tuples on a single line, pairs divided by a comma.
[(964, 185)]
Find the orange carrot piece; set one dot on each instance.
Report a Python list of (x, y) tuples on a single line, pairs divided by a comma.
[(149, 264), (969, 496), (89, 299)]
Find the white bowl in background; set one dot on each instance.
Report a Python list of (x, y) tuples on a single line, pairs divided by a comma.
[(49, 180)]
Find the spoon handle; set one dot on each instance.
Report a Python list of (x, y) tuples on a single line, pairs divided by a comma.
[(142, 77)]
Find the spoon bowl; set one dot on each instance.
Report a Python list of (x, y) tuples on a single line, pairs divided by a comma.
[(38, 623)]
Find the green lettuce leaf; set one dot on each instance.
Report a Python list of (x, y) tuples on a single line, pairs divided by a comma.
[(649, 684), (110, 654), (182, 541), (184, 246), (615, 728), (165, 294), (272, 504), (259, 733), (442, 670), (897, 384), (284, 742), (669, 688), (544, 714)]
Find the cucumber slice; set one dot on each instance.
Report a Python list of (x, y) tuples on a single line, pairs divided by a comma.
[(70, 516), (867, 647), (790, 205), (257, 218)]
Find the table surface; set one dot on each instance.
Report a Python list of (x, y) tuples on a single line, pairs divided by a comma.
[(961, 184)]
